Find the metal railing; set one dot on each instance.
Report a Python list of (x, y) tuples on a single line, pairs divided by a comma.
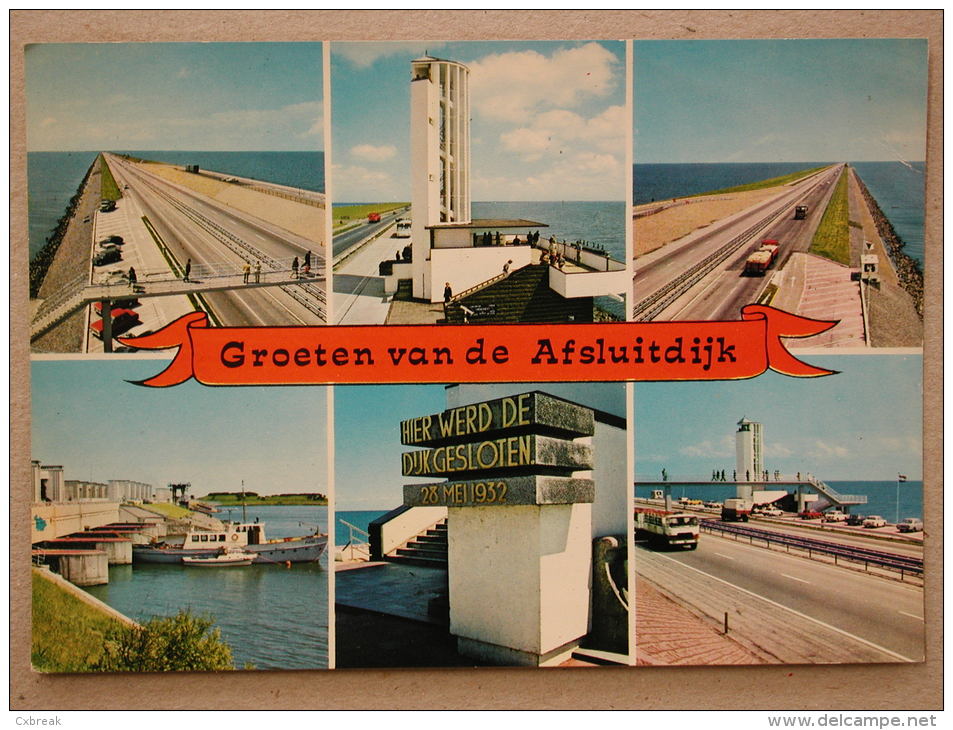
[(903, 564), (355, 548)]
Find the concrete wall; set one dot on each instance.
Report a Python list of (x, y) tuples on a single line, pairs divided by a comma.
[(409, 524), (467, 267), (58, 519), (609, 514), (526, 555), (84, 570), (591, 284)]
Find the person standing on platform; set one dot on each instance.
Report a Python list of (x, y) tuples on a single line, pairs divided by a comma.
[(246, 270), (294, 268), (188, 269), (258, 272), (447, 293)]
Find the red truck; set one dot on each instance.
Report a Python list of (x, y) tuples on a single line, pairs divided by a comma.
[(373, 217), (759, 262)]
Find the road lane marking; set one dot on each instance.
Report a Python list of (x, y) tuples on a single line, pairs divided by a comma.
[(800, 580), (726, 557), (871, 644), (911, 615)]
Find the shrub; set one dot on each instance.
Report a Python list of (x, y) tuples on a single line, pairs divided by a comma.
[(167, 644)]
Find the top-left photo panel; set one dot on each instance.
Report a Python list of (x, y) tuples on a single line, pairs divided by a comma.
[(169, 178)]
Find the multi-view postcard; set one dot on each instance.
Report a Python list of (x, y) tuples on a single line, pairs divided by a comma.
[(597, 353)]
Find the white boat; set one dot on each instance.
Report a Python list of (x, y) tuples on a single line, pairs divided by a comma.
[(225, 559), (248, 537)]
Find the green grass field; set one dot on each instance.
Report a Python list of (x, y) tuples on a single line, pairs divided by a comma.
[(166, 509), (770, 183), (67, 633), (832, 237), (108, 190), (344, 214)]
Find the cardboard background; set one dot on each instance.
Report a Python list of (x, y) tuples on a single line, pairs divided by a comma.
[(870, 687)]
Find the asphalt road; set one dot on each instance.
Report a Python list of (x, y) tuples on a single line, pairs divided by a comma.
[(187, 239), (723, 291), (343, 241), (884, 612)]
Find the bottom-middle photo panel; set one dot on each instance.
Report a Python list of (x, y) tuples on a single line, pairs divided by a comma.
[(481, 524)]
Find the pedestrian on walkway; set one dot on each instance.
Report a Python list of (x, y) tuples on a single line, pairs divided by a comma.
[(246, 270), (506, 267), (132, 277), (258, 272), (307, 259), (294, 268), (188, 269), (447, 293)]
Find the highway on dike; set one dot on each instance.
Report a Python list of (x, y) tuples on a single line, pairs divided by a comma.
[(353, 236), (175, 211), (886, 613), (699, 277)]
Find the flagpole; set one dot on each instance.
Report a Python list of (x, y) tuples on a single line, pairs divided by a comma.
[(897, 521)]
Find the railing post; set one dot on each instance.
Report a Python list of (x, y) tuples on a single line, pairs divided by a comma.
[(107, 315)]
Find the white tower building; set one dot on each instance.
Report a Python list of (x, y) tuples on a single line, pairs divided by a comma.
[(749, 450), (440, 156)]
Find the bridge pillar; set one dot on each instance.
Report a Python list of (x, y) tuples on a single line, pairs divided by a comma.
[(107, 313)]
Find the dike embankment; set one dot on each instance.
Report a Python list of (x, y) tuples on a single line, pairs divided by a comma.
[(909, 273)]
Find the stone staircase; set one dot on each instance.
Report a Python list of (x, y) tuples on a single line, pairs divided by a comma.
[(429, 548), (523, 296)]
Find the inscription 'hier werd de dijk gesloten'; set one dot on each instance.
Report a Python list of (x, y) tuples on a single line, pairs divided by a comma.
[(517, 450)]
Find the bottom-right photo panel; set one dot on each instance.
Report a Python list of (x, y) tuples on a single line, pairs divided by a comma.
[(779, 520)]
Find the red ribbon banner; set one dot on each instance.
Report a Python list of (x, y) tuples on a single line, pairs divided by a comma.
[(516, 353)]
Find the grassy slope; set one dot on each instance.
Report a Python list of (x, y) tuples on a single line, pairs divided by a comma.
[(347, 213), (110, 191), (67, 633), (770, 183), (166, 510), (832, 237)]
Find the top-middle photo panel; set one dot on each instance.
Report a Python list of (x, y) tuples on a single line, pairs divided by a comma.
[(479, 182)]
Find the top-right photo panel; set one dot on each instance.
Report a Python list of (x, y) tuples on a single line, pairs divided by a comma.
[(782, 172)]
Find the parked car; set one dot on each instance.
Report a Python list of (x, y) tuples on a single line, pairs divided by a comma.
[(835, 516), (113, 239), (109, 256), (123, 320), (855, 520), (810, 515), (910, 524), (875, 521), (117, 304)]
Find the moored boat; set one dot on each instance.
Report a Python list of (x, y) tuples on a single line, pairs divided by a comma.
[(226, 558), (249, 537)]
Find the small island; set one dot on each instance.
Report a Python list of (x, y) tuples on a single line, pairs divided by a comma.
[(228, 499)]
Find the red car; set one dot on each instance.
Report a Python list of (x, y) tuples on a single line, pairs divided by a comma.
[(123, 320), (810, 515)]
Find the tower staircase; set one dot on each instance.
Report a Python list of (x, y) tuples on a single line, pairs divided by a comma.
[(523, 296), (429, 548), (832, 498)]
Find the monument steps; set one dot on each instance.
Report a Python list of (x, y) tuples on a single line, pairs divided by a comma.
[(429, 548)]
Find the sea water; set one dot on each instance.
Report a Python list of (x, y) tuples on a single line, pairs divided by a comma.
[(53, 177), (273, 617), (881, 495)]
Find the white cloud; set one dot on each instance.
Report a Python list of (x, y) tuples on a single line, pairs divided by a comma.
[(373, 153), (364, 55), (578, 176), (561, 130), (777, 451), (710, 450), (510, 86)]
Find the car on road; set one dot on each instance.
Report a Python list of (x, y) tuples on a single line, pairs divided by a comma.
[(113, 239), (911, 524), (123, 320), (109, 256), (835, 516), (855, 520), (810, 515), (772, 512), (875, 521)]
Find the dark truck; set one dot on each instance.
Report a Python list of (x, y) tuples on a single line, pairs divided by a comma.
[(800, 212)]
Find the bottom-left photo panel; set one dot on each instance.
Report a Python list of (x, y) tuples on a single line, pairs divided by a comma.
[(176, 529)]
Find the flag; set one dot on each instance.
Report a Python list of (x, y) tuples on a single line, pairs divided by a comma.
[(901, 477)]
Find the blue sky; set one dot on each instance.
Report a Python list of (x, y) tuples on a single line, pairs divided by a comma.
[(87, 418), (367, 431), (864, 423), (548, 119), (174, 96), (780, 100)]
